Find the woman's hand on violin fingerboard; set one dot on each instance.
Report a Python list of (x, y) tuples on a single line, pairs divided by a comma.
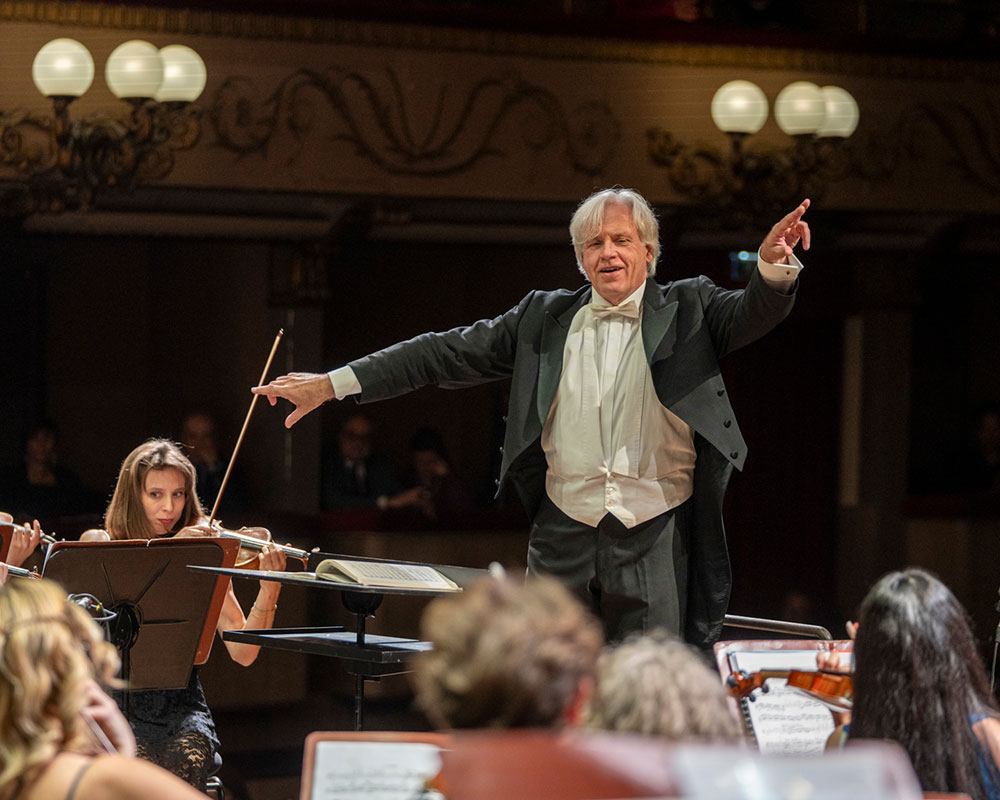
[(273, 559), (829, 662), (197, 530), (24, 540)]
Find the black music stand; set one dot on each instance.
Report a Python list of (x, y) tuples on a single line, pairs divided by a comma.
[(166, 612), (367, 657)]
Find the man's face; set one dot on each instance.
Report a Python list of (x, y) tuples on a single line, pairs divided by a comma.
[(41, 447), (615, 259), (355, 439), (198, 435)]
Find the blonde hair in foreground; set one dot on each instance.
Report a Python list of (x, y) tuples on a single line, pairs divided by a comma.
[(657, 686), (49, 650)]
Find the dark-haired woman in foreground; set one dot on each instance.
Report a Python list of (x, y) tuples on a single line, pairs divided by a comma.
[(919, 681)]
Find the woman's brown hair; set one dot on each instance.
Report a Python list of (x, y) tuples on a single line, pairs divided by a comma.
[(125, 517)]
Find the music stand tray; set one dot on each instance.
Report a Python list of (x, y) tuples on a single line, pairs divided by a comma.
[(167, 613)]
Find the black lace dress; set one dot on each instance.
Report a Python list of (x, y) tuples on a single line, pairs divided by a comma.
[(174, 729)]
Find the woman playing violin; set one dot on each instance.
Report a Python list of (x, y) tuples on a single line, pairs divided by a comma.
[(919, 681), (24, 540), (155, 497)]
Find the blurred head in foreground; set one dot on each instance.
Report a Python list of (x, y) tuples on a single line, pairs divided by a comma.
[(657, 686), (50, 650), (507, 656)]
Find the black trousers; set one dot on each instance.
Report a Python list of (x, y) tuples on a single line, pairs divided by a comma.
[(633, 579)]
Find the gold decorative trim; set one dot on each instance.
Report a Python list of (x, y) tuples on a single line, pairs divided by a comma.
[(416, 37)]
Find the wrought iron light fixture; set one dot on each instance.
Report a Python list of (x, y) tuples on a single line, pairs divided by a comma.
[(62, 163), (749, 186)]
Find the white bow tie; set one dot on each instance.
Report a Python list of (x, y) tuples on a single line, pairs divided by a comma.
[(630, 308)]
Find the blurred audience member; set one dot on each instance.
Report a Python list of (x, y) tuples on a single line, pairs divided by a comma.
[(199, 438), (507, 656), (354, 476), (53, 713), (40, 487), (981, 468), (433, 492), (658, 686)]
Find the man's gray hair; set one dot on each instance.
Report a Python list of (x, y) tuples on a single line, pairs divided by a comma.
[(657, 686), (589, 217)]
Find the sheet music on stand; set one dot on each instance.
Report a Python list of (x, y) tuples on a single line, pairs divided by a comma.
[(340, 765), (783, 720)]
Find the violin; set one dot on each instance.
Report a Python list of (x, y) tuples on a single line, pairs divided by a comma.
[(45, 541), (833, 689), (252, 540), (7, 521), (21, 572)]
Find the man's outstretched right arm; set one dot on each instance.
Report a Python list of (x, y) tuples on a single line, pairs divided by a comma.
[(483, 351), (307, 391)]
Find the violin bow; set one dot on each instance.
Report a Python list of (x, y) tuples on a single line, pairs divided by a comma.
[(246, 422)]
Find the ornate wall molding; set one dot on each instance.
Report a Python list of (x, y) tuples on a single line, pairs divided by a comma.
[(963, 136), (379, 121), (416, 37)]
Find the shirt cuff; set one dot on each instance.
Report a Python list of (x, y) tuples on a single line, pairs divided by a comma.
[(344, 382), (780, 276)]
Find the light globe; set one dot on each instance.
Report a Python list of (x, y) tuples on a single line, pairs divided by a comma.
[(800, 108), (184, 75), (841, 113), (63, 68), (134, 70), (739, 107)]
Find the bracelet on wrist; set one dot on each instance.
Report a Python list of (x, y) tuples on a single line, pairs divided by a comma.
[(264, 610)]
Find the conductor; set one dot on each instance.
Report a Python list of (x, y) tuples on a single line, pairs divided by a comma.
[(620, 435)]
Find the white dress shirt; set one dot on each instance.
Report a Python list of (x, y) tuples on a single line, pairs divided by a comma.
[(611, 447)]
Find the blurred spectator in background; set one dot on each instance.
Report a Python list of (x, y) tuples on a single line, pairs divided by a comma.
[(432, 490), (980, 469), (354, 477), (967, 467), (40, 487), (200, 442)]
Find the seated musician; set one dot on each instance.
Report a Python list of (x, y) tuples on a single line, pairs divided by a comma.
[(507, 656), (52, 656), (919, 680), (656, 685), (155, 497), (24, 540)]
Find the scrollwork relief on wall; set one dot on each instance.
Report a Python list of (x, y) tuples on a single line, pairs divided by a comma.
[(957, 135), (386, 125)]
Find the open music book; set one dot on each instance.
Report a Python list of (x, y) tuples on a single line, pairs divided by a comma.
[(384, 574)]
